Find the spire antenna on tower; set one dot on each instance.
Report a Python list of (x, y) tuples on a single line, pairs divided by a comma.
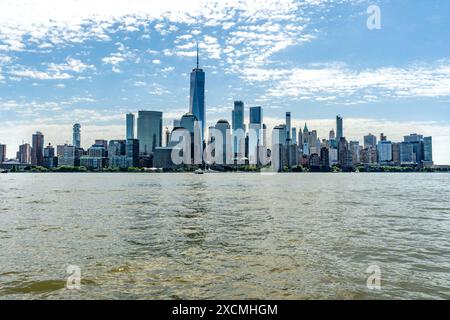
[(197, 55)]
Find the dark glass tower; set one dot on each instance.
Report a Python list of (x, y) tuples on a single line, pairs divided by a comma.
[(197, 95)]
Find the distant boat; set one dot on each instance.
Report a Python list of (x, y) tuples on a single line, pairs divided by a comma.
[(199, 171)]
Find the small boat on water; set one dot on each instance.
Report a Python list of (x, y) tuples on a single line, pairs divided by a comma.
[(199, 171)]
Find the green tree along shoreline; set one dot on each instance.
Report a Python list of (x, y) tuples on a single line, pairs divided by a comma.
[(243, 168)]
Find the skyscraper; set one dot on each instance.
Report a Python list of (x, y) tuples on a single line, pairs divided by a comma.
[(384, 149), (2, 153), (238, 129), (256, 115), (428, 149), (24, 155), (288, 127), (130, 126), (149, 131), (223, 152), (37, 149), (254, 137), (76, 137), (339, 128), (197, 96)]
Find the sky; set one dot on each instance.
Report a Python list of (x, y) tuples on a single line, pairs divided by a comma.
[(91, 62)]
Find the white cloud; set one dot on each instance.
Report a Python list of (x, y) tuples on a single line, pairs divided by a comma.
[(334, 82)]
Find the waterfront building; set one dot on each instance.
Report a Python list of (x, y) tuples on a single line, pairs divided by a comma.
[(132, 152), (76, 135), (407, 153), (50, 158), (223, 143), (162, 157), (96, 157), (24, 154), (333, 156), (68, 155), (384, 149), (149, 131), (314, 162), (254, 134), (294, 136), (238, 127), (428, 150), (339, 127), (197, 96), (117, 157), (288, 128), (130, 125), (324, 157), (37, 149), (355, 151), (344, 154), (278, 148), (370, 141), (396, 153)]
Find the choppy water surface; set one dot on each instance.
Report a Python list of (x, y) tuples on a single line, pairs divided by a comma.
[(288, 236)]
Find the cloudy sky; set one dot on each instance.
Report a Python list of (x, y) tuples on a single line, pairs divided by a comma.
[(91, 62)]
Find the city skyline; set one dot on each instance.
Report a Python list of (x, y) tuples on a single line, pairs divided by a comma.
[(393, 80)]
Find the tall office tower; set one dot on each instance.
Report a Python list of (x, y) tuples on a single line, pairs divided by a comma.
[(130, 126), (396, 153), (332, 135), (76, 137), (149, 131), (278, 148), (342, 152), (384, 149), (300, 138), (370, 141), (383, 137), (288, 127), (50, 159), (354, 149), (222, 150), (24, 155), (37, 149), (238, 127), (254, 137), (256, 116), (132, 151), (428, 149), (2, 153), (294, 135), (339, 127), (197, 96), (305, 134)]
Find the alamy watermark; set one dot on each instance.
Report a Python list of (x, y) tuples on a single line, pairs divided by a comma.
[(374, 20), (374, 279), (74, 278)]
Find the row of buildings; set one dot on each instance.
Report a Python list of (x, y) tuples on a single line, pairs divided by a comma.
[(225, 146)]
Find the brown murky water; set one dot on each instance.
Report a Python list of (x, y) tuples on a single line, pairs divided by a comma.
[(288, 236)]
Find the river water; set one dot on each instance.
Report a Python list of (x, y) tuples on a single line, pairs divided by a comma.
[(225, 235)]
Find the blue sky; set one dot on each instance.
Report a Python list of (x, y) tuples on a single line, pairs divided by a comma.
[(92, 61)]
